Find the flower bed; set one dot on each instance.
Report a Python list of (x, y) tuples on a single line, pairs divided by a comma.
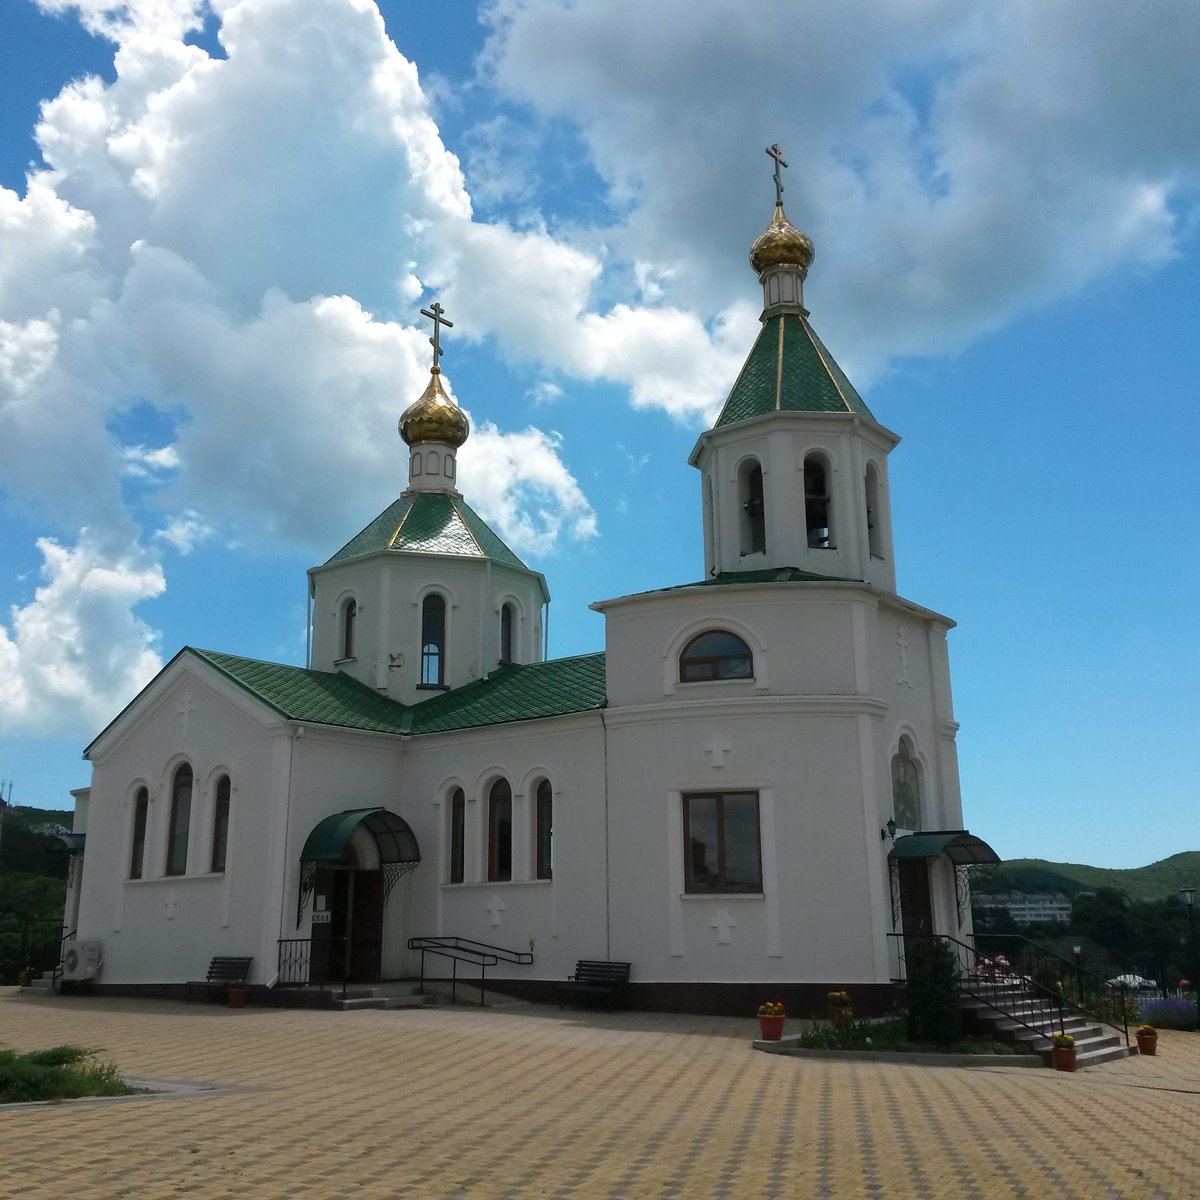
[(1171, 1013)]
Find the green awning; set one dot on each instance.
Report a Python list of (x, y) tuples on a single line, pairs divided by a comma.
[(67, 843), (959, 846), (396, 841)]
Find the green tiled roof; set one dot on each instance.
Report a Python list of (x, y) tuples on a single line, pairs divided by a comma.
[(319, 697), (767, 575), (429, 523), (519, 693), (789, 370)]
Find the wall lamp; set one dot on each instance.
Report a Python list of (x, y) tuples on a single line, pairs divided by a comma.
[(889, 832)]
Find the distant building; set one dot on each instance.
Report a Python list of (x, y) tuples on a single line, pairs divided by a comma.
[(1026, 908)]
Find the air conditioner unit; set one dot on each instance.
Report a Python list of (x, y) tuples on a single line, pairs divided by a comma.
[(81, 960)]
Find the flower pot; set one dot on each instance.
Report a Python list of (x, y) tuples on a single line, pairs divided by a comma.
[(771, 1028), (237, 996), (24, 979), (1147, 1043), (840, 1016), (1064, 1058)]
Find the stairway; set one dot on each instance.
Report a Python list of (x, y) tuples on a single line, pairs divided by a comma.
[(401, 993), (1014, 1014), (42, 985)]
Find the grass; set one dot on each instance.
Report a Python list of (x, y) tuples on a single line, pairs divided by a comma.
[(890, 1036), (60, 1073)]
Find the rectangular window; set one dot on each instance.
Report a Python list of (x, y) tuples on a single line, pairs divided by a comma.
[(138, 852), (722, 850), (500, 831)]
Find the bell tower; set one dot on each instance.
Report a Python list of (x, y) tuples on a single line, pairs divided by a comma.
[(794, 472)]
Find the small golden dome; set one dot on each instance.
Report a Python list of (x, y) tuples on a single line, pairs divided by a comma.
[(781, 244), (434, 418)]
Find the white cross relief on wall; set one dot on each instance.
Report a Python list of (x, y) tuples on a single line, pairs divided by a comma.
[(718, 746), (171, 904), (902, 646), (724, 924), (185, 710), (494, 908)]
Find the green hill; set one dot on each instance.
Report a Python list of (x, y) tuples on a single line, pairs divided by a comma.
[(1158, 881)]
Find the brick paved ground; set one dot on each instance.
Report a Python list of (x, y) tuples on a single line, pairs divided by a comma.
[(528, 1102)]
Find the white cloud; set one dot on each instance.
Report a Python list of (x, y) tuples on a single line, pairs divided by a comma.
[(954, 162), (76, 653), (185, 532), (519, 484), (143, 462)]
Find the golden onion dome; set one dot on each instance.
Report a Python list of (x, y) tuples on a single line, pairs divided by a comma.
[(781, 244), (434, 418)]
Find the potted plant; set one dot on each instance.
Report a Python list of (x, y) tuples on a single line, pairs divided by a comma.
[(839, 1010), (1064, 1052), (236, 993), (771, 1016), (1147, 1039), (25, 977)]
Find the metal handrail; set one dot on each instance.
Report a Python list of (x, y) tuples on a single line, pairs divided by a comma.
[(460, 949), (294, 964), (1003, 975), (57, 974), (1079, 971)]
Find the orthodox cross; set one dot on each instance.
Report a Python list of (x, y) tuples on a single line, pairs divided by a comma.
[(773, 151), (435, 315), (724, 924), (718, 747), (185, 711), (494, 909)]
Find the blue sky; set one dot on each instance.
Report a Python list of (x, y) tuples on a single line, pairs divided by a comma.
[(214, 246)]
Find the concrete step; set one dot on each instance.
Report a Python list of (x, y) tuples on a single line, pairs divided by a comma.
[(386, 996)]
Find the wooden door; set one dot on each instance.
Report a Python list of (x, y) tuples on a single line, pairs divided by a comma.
[(916, 907), (366, 936)]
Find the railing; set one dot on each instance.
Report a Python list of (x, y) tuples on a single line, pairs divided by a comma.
[(997, 983), (1093, 994), (57, 973), (32, 945), (459, 949), (296, 963)]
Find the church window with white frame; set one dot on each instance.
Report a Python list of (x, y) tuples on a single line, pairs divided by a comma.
[(508, 620), (722, 846), (906, 787), (500, 822), (543, 832), (754, 508), (715, 654), (220, 838), (817, 503), (458, 833), (137, 850), (433, 641), (349, 627), (180, 822)]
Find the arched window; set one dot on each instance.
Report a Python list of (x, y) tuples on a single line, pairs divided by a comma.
[(458, 826), (817, 503), (874, 541), (754, 512), (415, 466), (349, 627), (220, 840), (500, 831), (717, 654), (137, 852), (181, 819), (544, 831), (906, 788), (433, 641), (432, 462), (506, 634)]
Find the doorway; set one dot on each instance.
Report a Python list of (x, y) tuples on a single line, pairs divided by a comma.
[(347, 930), (916, 905)]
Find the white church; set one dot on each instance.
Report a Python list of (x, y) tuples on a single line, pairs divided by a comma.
[(749, 794)]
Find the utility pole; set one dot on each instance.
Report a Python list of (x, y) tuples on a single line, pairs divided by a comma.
[(4, 804)]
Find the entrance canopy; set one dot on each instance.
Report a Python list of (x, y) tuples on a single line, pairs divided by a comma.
[(396, 841), (959, 846), (330, 838)]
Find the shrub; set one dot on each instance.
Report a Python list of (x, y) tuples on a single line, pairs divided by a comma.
[(1170, 1014), (60, 1073), (931, 993)]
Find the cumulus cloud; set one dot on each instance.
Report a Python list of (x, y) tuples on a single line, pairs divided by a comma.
[(76, 653), (954, 162)]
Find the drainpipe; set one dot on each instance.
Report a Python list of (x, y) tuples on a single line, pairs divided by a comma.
[(607, 871)]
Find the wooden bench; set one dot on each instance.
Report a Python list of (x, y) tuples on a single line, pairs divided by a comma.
[(222, 971), (595, 977)]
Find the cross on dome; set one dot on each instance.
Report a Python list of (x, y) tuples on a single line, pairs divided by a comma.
[(434, 313), (773, 151)]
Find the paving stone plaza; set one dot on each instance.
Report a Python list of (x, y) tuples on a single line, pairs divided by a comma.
[(525, 1101)]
